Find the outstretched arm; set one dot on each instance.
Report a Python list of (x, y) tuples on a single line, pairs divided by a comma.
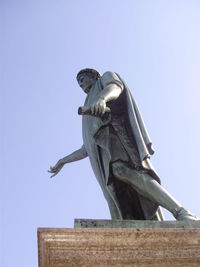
[(76, 155)]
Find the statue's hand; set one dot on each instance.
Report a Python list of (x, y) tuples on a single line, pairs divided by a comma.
[(99, 107), (55, 169)]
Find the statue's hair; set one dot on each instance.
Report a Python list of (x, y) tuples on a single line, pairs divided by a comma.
[(91, 72)]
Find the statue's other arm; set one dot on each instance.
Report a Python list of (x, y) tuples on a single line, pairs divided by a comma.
[(76, 155), (112, 88)]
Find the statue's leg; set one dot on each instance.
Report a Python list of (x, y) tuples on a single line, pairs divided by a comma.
[(146, 186)]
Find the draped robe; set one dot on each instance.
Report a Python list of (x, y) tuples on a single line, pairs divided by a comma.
[(122, 136)]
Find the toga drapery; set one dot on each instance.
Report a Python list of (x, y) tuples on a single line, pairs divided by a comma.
[(121, 137)]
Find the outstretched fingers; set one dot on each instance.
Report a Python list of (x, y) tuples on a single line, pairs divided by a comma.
[(54, 174), (53, 170)]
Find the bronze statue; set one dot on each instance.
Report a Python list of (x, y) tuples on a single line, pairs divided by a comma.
[(119, 148)]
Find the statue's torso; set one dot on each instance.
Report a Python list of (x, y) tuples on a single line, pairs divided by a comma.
[(114, 139)]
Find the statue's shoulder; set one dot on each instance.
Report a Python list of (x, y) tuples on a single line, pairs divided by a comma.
[(110, 77), (109, 74)]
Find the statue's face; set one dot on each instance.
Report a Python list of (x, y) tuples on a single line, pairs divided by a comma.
[(85, 81)]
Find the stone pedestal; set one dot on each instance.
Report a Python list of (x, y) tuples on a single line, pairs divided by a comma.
[(111, 243)]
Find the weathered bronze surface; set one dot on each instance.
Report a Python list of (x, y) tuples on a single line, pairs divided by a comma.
[(119, 148)]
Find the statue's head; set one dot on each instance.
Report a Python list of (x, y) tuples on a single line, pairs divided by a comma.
[(86, 78)]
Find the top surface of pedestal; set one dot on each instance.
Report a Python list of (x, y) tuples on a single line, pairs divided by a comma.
[(94, 223)]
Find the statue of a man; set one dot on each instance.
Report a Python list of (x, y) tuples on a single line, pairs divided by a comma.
[(119, 149)]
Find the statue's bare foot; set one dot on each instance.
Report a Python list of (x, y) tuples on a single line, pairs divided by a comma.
[(182, 214)]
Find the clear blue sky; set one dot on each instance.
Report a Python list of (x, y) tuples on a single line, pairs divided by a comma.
[(154, 45)]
